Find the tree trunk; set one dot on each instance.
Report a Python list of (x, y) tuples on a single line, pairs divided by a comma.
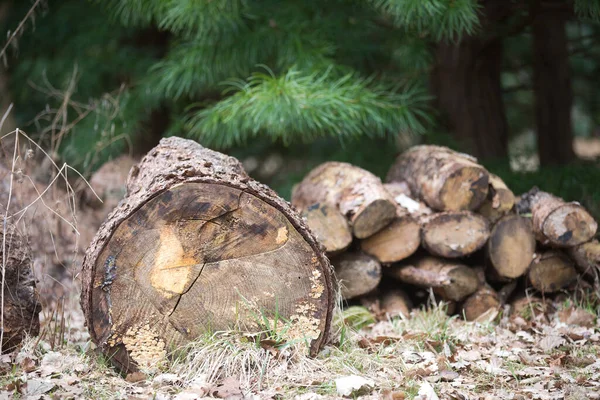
[(198, 246), (552, 87), (467, 88), (21, 308)]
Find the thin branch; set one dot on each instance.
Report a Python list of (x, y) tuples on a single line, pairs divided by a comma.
[(19, 28)]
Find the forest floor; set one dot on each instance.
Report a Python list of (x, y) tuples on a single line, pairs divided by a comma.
[(539, 352)]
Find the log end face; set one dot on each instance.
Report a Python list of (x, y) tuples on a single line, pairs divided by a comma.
[(464, 283), (357, 273), (373, 218), (511, 246), (465, 189), (551, 272), (395, 242), (455, 234), (329, 226), (569, 225)]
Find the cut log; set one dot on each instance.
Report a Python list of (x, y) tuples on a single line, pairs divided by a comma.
[(454, 234), (395, 242), (484, 301), (450, 280), (329, 226), (358, 194), (499, 201), (396, 303), (357, 274), (551, 271), (21, 308), (587, 257), (444, 179), (197, 246), (556, 222), (511, 247)]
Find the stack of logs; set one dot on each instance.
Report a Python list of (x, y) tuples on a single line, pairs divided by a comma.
[(442, 221)]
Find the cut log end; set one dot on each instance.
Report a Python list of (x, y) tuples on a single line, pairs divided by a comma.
[(395, 242), (357, 274), (454, 234), (551, 272), (199, 253), (329, 226), (373, 218), (569, 225), (499, 202), (587, 257), (396, 303), (465, 189), (511, 246), (481, 303)]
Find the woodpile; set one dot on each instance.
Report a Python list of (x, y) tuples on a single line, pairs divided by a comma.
[(442, 222)]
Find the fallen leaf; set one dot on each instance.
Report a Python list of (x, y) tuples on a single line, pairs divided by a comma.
[(37, 387), (229, 389), (551, 342), (577, 316), (353, 385), (426, 392), (27, 364), (448, 375), (134, 377)]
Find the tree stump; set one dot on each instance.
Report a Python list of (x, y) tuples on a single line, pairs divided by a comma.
[(357, 193), (556, 222), (21, 306), (197, 246), (442, 178)]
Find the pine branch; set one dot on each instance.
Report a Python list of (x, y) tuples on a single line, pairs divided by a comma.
[(440, 19), (299, 107), (588, 9)]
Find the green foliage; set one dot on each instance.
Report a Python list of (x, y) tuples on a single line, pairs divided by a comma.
[(440, 19), (308, 106), (588, 8)]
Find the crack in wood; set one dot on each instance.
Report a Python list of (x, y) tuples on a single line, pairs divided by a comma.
[(187, 290)]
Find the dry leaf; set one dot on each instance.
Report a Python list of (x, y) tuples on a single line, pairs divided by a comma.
[(135, 377), (551, 342), (353, 385), (426, 392), (229, 389)]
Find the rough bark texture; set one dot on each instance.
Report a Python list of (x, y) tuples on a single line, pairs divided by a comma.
[(511, 246), (21, 307), (556, 222), (198, 246), (483, 301), (587, 257), (329, 226), (467, 87), (551, 271), (449, 279), (499, 201), (454, 234), (357, 193), (442, 178), (357, 274), (552, 86), (396, 303)]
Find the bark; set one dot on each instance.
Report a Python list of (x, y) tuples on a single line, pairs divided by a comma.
[(329, 226), (511, 247), (499, 201), (552, 87), (445, 180), (21, 307), (556, 222), (358, 194), (467, 88), (454, 234), (552, 271), (357, 273), (198, 246), (448, 279)]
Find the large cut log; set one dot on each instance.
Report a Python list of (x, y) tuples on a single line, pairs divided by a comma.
[(198, 246), (454, 234), (499, 201), (329, 226), (587, 258), (551, 271), (556, 222), (396, 303), (21, 308), (511, 247), (401, 238), (356, 273), (444, 179), (450, 280), (357, 193)]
